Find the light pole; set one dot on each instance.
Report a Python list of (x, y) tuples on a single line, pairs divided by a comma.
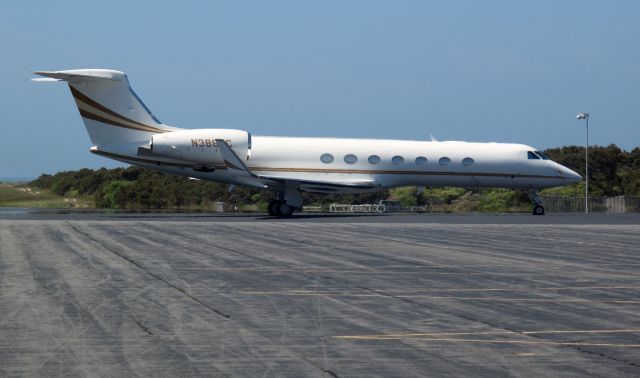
[(585, 116)]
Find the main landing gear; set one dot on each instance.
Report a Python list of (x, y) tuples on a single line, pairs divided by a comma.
[(286, 203), (538, 209), (280, 208)]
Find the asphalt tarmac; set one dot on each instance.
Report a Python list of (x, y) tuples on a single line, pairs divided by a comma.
[(346, 296)]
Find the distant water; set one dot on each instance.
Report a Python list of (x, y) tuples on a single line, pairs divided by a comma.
[(16, 179)]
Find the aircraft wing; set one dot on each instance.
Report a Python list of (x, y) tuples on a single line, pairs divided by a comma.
[(324, 185), (244, 175), (231, 159)]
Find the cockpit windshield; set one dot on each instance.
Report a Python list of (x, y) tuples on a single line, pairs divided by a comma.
[(543, 156), (536, 155), (532, 156)]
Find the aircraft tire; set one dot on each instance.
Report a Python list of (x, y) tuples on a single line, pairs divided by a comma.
[(274, 208), (284, 210), (538, 210)]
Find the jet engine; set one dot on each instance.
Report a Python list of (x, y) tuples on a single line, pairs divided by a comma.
[(200, 146)]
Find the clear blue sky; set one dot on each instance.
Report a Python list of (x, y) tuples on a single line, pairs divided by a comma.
[(507, 71)]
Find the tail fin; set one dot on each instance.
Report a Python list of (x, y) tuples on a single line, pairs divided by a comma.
[(110, 109)]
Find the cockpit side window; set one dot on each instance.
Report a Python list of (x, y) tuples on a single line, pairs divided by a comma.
[(532, 156), (543, 156)]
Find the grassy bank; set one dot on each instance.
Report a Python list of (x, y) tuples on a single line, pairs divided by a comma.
[(16, 195)]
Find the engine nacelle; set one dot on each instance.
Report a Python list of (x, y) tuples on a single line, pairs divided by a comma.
[(199, 146)]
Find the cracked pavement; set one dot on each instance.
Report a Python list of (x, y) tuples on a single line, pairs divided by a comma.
[(169, 296)]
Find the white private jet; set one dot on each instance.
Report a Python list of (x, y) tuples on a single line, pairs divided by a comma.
[(121, 127)]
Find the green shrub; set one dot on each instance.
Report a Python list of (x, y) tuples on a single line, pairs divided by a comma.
[(406, 195), (108, 195)]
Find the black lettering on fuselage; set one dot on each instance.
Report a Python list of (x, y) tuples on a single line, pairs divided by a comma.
[(204, 143)]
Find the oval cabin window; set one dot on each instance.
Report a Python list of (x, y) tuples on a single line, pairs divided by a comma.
[(397, 160), (350, 159), (444, 161), (421, 160), (467, 162), (326, 158), (374, 159)]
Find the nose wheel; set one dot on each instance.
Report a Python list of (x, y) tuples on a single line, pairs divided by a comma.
[(538, 209)]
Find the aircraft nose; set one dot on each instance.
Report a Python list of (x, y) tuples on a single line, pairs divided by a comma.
[(570, 174)]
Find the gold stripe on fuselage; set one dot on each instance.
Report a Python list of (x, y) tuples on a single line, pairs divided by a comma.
[(392, 172), (312, 170)]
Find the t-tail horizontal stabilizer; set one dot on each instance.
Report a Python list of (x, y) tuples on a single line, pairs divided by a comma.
[(41, 79)]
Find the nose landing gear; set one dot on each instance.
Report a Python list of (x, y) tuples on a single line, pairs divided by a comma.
[(538, 209)]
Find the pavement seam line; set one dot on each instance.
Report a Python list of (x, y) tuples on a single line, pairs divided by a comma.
[(326, 371), (154, 275)]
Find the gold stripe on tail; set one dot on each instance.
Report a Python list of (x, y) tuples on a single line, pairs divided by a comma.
[(91, 109)]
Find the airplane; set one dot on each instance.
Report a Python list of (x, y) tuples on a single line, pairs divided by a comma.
[(122, 127)]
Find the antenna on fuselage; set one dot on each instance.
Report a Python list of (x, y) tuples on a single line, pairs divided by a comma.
[(433, 138)]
